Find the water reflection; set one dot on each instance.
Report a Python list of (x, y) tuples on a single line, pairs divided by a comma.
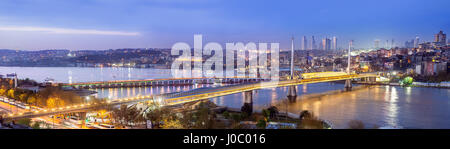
[(392, 108)]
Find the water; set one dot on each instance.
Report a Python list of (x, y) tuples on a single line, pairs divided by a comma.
[(375, 106)]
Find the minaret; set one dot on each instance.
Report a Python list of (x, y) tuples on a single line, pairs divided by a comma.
[(292, 92)]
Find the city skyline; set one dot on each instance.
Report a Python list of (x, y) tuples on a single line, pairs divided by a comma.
[(92, 25)]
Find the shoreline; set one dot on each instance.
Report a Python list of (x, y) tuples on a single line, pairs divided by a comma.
[(414, 84)]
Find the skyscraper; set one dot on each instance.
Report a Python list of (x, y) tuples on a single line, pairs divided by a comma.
[(386, 45), (335, 43), (392, 43), (440, 38), (326, 44), (377, 44), (416, 42), (313, 43), (305, 43)]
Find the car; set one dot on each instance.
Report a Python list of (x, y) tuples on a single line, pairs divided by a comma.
[(74, 118), (20, 106), (106, 126), (58, 117), (91, 126)]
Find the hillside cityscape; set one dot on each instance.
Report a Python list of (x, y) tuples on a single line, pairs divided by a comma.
[(266, 65)]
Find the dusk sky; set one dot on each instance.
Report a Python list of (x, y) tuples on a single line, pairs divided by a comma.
[(112, 24)]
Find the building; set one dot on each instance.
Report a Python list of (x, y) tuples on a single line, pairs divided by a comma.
[(313, 43), (335, 43), (326, 44), (392, 43), (386, 45), (377, 44), (440, 39), (416, 42), (410, 44), (429, 68), (304, 43)]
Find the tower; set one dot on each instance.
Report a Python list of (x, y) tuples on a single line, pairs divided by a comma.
[(304, 43), (326, 44), (313, 43), (386, 44), (440, 38), (334, 43), (392, 43), (377, 44), (348, 83), (416, 42)]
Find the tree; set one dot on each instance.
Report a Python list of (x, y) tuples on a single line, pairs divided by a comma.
[(23, 97), (157, 114), (127, 116), (36, 125), (172, 124), (55, 102), (355, 124), (305, 115), (261, 124), (273, 111), (11, 93), (226, 114), (247, 109), (25, 121), (203, 118), (266, 114), (236, 117), (32, 100), (50, 93), (2, 91), (309, 121)]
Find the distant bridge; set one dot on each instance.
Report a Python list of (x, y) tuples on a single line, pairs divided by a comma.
[(162, 82), (189, 96)]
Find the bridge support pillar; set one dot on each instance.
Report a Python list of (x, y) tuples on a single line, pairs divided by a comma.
[(373, 79), (348, 85), (83, 119), (248, 103), (292, 93)]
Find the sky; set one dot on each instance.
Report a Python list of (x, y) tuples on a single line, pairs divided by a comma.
[(113, 24)]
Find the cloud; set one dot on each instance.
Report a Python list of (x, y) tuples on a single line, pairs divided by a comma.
[(67, 31)]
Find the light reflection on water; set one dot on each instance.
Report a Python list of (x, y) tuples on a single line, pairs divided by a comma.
[(376, 106)]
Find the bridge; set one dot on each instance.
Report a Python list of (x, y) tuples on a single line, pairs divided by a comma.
[(189, 96), (176, 98), (162, 82)]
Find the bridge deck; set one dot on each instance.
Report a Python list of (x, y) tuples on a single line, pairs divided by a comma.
[(188, 96)]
